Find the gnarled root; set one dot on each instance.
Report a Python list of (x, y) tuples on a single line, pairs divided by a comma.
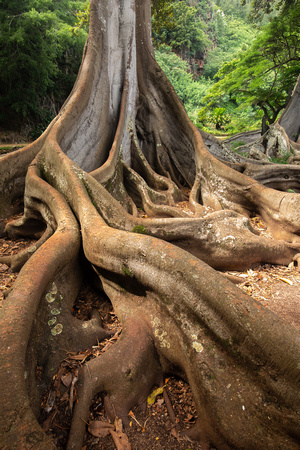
[(153, 202), (16, 262), (126, 373)]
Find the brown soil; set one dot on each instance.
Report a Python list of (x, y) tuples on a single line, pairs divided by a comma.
[(159, 427)]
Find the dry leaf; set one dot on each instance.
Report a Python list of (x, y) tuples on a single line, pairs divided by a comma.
[(64, 397), (48, 422), (121, 440), (67, 379), (100, 428), (174, 433)]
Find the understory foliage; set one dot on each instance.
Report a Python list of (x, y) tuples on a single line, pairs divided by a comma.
[(39, 60), (187, 34), (190, 91)]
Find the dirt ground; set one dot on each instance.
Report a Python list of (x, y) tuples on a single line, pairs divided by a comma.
[(159, 427)]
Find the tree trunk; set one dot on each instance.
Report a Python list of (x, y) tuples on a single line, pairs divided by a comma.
[(123, 141)]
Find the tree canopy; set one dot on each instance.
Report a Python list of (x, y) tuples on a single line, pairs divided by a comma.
[(260, 7), (263, 75), (39, 59)]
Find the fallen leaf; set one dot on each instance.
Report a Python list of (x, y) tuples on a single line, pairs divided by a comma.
[(64, 397), (48, 422), (152, 397), (121, 440), (67, 379), (174, 433), (100, 428), (3, 267)]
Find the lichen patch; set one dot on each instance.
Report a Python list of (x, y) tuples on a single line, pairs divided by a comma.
[(198, 347), (57, 329)]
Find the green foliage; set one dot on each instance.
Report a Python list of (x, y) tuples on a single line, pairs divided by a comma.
[(189, 91), (283, 160), (39, 58), (263, 75), (236, 144), (139, 229), (238, 119), (234, 8), (261, 7), (184, 31), (219, 117), (162, 20), (188, 33), (233, 35), (83, 18)]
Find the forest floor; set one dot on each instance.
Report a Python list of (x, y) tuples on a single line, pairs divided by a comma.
[(275, 287)]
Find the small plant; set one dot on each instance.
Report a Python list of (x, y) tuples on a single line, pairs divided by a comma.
[(217, 118), (127, 271), (237, 144), (139, 229), (282, 159)]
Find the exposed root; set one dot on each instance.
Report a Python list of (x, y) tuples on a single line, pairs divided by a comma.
[(195, 200), (126, 373), (296, 260), (153, 179), (16, 262), (154, 203)]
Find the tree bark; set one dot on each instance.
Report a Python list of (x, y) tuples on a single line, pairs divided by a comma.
[(123, 141)]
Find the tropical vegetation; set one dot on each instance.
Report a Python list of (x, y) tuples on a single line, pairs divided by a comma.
[(40, 58), (232, 63)]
